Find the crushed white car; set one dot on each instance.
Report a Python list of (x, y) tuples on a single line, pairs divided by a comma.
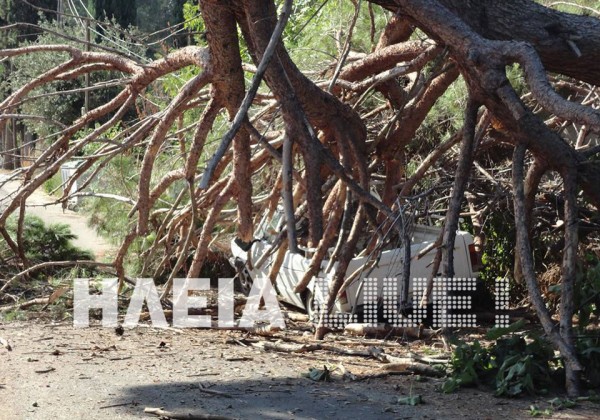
[(389, 265)]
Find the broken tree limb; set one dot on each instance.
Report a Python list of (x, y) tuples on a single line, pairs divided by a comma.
[(25, 305), (568, 276), (460, 183), (328, 239), (295, 316), (206, 233), (307, 348), (168, 117), (346, 254), (532, 182), (535, 294), (245, 106), (458, 190), (183, 253), (383, 330), (41, 266), (411, 364), (287, 193), (277, 263)]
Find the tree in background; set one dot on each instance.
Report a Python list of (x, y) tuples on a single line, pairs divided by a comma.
[(122, 12), (15, 11)]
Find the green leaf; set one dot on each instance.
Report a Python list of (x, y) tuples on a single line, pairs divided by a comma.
[(411, 400), (496, 333), (559, 403), (319, 375), (450, 385), (534, 411), (555, 288)]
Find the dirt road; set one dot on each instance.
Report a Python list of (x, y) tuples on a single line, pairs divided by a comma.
[(58, 372), (38, 205)]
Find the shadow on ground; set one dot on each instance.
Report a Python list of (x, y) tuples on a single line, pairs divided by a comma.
[(279, 398)]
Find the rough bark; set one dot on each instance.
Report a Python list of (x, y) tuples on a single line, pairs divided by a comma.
[(562, 342), (569, 272), (465, 162), (229, 88), (482, 63), (327, 130), (547, 30)]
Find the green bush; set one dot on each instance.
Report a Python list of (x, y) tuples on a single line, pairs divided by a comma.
[(43, 242), (514, 364), (53, 184)]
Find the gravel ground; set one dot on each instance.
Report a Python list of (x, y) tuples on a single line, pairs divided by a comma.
[(59, 372)]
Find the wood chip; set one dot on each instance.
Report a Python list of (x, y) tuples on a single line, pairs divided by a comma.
[(50, 369), (4, 343)]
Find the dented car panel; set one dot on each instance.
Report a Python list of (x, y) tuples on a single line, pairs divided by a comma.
[(389, 265)]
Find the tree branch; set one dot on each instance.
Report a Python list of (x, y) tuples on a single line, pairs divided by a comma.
[(247, 102)]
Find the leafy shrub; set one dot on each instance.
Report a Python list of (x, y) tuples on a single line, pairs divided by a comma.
[(470, 364), (53, 184), (43, 242), (588, 349), (587, 304), (512, 365), (587, 287)]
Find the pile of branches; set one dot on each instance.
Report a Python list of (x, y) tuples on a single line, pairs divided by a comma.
[(314, 145)]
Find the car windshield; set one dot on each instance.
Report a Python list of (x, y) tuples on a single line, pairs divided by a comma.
[(269, 227)]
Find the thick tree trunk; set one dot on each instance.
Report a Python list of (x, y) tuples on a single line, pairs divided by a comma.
[(556, 36), (482, 63), (550, 32), (229, 89)]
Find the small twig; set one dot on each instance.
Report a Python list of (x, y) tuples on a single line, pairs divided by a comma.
[(213, 392), (203, 374), (53, 264), (42, 339), (47, 370), (187, 416), (116, 405), (119, 358), (346, 49)]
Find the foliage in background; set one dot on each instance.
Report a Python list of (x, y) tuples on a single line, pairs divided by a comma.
[(53, 185), (52, 102), (123, 12), (43, 242), (193, 22), (587, 287), (587, 312), (317, 30), (10, 14), (499, 251)]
